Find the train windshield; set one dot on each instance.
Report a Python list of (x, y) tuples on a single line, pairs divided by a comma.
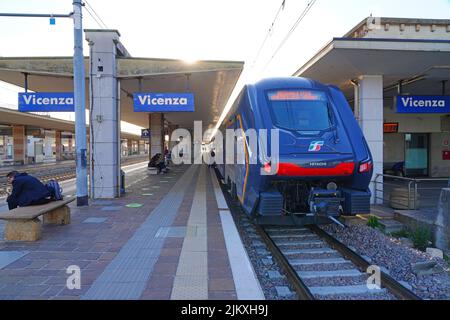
[(300, 110)]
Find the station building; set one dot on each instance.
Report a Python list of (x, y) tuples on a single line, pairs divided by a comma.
[(395, 73), (113, 77), (30, 138)]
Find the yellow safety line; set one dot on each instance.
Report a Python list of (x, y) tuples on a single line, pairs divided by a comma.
[(246, 159)]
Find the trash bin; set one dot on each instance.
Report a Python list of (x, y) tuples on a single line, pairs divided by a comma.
[(122, 182)]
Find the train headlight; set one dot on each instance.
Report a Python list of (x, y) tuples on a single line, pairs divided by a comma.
[(365, 167)]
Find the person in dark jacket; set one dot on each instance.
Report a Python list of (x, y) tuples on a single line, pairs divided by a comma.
[(26, 191)]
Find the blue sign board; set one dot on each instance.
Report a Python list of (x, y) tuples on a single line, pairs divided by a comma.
[(164, 102), (423, 104), (46, 102), (145, 133)]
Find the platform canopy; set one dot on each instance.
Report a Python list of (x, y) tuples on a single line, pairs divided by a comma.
[(13, 117), (211, 81), (421, 64)]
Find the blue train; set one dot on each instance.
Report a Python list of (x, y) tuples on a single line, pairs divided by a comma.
[(324, 167)]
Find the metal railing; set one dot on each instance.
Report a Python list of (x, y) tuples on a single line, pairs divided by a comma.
[(408, 193)]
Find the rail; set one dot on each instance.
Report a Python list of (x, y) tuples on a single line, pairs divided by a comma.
[(300, 287), (394, 286), (408, 193), (61, 171), (303, 291)]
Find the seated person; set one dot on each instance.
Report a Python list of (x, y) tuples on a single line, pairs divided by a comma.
[(158, 162), (167, 157), (26, 191)]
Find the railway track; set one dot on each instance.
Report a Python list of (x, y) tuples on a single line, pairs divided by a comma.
[(60, 172), (321, 267)]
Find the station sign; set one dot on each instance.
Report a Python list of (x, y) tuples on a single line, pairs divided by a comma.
[(423, 104), (164, 102), (145, 133), (46, 102)]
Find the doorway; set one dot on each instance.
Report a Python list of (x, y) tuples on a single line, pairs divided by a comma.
[(416, 154)]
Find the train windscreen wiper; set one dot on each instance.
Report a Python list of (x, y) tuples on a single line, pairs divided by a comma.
[(334, 125)]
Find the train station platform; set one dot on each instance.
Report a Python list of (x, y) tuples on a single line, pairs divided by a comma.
[(171, 237)]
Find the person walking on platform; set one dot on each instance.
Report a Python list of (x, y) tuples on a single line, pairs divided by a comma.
[(26, 191)]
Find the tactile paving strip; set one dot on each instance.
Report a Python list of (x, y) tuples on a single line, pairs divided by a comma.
[(8, 257), (191, 280), (126, 277)]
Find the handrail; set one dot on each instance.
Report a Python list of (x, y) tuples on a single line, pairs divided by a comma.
[(410, 179), (412, 187)]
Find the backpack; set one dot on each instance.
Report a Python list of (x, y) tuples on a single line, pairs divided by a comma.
[(57, 191)]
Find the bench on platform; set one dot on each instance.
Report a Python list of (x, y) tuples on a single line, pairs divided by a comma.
[(22, 224)]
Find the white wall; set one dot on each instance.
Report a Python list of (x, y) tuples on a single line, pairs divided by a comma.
[(394, 144), (394, 147), (439, 168)]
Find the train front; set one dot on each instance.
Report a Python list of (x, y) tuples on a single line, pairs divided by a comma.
[(324, 166)]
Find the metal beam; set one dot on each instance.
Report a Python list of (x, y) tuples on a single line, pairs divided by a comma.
[(36, 15)]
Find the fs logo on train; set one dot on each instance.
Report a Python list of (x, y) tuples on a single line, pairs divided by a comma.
[(316, 146)]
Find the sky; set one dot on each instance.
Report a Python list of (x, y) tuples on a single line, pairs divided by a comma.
[(202, 30)]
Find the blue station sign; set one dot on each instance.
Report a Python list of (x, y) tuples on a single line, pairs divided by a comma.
[(46, 102), (164, 102), (423, 104)]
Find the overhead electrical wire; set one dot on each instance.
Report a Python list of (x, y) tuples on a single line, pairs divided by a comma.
[(95, 15), (269, 32), (295, 25), (291, 31)]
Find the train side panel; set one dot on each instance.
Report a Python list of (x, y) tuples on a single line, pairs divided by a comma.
[(321, 173)]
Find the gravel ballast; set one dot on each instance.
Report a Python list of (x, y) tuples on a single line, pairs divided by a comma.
[(391, 255)]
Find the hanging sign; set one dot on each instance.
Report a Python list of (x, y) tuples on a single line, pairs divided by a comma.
[(164, 102), (46, 102)]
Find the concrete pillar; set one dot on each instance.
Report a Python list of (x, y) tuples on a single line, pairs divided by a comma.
[(156, 122), (129, 147), (371, 121), (172, 128), (105, 114), (48, 146), (141, 147), (59, 147), (70, 145), (20, 144)]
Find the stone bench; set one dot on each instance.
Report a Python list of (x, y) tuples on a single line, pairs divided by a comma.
[(22, 224)]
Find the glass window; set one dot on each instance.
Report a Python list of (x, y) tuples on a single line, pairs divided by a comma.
[(300, 110)]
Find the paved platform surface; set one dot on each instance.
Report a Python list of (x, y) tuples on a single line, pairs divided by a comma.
[(171, 246)]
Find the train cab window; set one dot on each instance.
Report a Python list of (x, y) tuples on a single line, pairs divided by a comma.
[(300, 110)]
